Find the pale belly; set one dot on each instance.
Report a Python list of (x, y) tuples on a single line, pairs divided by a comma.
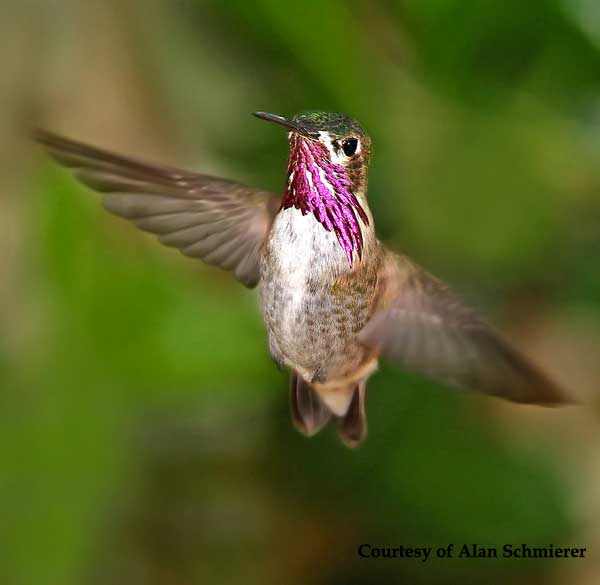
[(311, 320)]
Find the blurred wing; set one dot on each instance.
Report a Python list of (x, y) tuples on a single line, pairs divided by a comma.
[(219, 221), (427, 329)]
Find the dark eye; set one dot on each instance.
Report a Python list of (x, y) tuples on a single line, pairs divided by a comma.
[(349, 146)]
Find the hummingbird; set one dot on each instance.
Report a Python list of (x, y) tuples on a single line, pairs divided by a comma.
[(334, 299)]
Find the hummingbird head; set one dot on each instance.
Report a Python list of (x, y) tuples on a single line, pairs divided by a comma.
[(327, 172), (335, 140)]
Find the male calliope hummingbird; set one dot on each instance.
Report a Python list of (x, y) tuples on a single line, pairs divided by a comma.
[(333, 297)]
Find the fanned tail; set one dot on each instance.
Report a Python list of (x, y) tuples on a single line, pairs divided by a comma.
[(311, 411)]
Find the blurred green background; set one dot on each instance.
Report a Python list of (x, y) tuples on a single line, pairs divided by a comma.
[(144, 431)]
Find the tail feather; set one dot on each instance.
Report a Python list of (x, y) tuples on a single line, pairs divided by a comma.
[(352, 427), (311, 412)]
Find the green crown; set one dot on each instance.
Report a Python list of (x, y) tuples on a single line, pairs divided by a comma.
[(338, 125)]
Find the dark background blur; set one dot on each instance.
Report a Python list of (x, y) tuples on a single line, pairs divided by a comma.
[(144, 432)]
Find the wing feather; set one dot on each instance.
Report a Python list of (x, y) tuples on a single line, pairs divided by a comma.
[(216, 220), (425, 327)]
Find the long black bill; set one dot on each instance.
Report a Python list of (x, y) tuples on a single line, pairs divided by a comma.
[(294, 126)]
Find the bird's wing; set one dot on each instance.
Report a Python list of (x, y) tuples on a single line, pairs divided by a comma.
[(219, 221), (427, 329)]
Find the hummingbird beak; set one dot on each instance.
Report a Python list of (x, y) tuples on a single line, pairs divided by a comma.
[(293, 126)]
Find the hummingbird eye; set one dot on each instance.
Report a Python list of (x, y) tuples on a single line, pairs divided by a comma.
[(349, 146)]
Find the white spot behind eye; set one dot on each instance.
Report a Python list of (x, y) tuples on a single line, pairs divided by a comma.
[(337, 154)]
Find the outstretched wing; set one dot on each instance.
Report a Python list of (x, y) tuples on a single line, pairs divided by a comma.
[(426, 328), (219, 221)]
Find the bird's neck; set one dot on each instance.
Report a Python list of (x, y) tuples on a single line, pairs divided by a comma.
[(317, 186)]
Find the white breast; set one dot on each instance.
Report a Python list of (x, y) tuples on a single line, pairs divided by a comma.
[(300, 244), (300, 257)]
